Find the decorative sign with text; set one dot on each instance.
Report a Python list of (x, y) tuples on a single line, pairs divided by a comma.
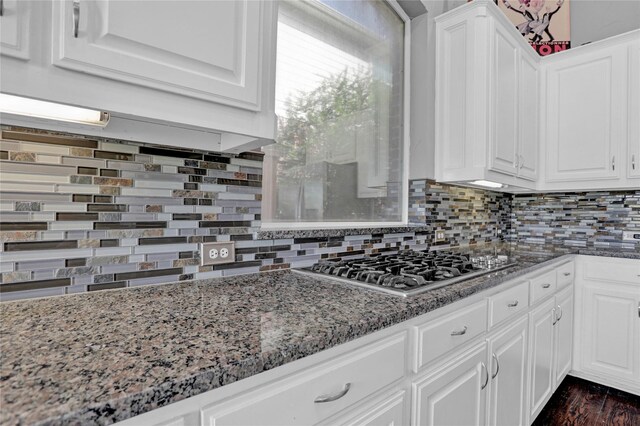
[(544, 23)]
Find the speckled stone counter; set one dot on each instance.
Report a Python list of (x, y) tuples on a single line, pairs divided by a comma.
[(101, 358)]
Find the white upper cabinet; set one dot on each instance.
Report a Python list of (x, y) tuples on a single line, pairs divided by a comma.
[(529, 118), (15, 24), (486, 98), (203, 49), (504, 140), (591, 115), (633, 124), (206, 66), (585, 115)]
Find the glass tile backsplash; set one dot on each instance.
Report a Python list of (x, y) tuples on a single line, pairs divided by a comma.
[(83, 214)]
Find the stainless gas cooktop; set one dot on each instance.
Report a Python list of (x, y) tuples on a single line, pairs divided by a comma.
[(407, 272)]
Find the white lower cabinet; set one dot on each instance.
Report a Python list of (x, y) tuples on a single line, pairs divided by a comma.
[(563, 335), (508, 367), (317, 393), (608, 332), (551, 331), (454, 394), (541, 342)]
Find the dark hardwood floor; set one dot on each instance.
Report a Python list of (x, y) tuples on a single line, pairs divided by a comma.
[(580, 402)]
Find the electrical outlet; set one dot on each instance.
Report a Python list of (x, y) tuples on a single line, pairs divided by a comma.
[(631, 236), (439, 235), (217, 253)]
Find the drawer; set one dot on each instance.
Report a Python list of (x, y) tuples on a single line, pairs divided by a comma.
[(442, 335), (625, 271), (564, 274), (291, 401), (508, 303), (542, 286)]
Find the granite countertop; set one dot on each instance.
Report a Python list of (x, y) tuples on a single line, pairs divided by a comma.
[(102, 358)]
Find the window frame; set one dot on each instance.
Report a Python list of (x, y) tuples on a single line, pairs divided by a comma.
[(406, 105)]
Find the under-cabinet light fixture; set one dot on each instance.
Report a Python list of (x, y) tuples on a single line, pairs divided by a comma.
[(18, 105), (487, 183)]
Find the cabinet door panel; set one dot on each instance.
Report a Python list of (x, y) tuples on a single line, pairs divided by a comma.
[(208, 50), (610, 331), (541, 350), (15, 28), (633, 120), (505, 103), (564, 334), (509, 373), (586, 115), (529, 117), (453, 394)]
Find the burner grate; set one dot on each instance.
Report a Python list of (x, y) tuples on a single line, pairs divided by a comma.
[(407, 272)]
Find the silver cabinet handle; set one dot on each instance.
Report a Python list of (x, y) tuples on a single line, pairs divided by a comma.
[(495, 358), (613, 163), (512, 304), (633, 161), (566, 274), (76, 17), (459, 332), (334, 396), (553, 314), (486, 380), (521, 161), (1, 7), (546, 285), (559, 310)]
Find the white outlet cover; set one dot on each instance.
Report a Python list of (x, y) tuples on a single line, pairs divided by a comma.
[(224, 252), (213, 253)]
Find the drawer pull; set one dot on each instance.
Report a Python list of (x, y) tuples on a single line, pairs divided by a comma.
[(566, 274), (546, 285), (1, 8), (512, 304), (486, 372), (553, 315), (497, 366), (459, 332), (334, 396)]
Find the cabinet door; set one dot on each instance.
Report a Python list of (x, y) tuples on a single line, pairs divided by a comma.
[(541, 352), (204, 49), (529, 118), (509, 375), (585, 115), (15, 28), (504, 141), (611, 330), (454, 394), (633, 120), (564, 334)]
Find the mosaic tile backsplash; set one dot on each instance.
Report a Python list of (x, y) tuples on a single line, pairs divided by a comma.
[(584, 219), (83, 214), (80, 214)]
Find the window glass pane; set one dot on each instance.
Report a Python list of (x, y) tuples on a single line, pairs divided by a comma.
[(338, 156)]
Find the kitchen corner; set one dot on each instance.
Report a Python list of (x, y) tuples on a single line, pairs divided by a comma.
[(356, 212)]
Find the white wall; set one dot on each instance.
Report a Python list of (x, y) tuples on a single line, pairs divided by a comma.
[(593, 20)]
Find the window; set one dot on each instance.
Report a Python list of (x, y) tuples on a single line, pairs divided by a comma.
[(339, 156)]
